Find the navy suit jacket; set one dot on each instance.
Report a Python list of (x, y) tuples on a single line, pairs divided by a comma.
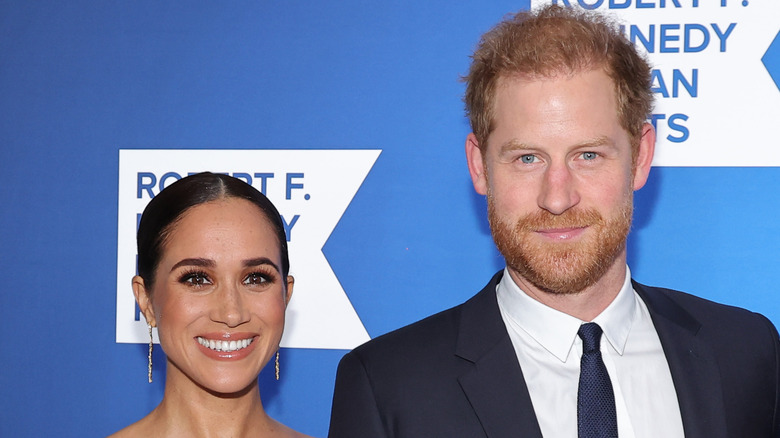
[(456, 374)]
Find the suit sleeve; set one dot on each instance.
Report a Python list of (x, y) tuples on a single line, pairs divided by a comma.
[(354, 413), (775, 345), (776, 339)]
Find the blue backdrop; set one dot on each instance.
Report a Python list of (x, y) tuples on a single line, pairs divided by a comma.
[(81, 80)]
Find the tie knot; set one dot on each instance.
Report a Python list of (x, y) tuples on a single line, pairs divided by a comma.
[(590, 334)]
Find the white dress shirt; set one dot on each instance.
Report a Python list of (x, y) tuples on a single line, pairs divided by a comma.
[(549, 350)]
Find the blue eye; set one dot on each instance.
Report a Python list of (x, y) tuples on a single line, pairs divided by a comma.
[(528, 159), (589, 155)]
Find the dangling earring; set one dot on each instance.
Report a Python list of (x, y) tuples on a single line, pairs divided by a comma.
[(151, 344), (277, 364)]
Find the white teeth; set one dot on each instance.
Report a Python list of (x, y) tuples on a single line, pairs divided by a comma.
[(226, 346)]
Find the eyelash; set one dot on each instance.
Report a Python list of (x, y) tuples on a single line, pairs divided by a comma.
[(264, 278), (190, 276), (198, 278), (531, 156), (535, 159)]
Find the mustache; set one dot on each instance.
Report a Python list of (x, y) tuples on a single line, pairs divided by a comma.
[(572, 218)]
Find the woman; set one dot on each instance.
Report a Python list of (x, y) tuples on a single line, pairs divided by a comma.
[(213, 278)]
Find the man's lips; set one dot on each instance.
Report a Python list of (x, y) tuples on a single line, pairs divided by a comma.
[(561, 234)]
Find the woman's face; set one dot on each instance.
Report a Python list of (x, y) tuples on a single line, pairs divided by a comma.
[(219, 297)]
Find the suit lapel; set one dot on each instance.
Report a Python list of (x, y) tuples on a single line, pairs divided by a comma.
[(494, 385), (693, 366)]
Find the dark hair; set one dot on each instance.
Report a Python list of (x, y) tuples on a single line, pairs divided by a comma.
[(165, 209), (556, 40)]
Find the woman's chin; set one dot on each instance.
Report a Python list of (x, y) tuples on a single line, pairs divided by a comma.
[(230, 388)]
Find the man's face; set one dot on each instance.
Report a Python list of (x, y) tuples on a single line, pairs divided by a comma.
[(558, 175)]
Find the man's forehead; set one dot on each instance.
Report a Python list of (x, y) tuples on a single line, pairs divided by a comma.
[(510, 78)]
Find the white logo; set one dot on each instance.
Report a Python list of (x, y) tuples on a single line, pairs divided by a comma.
[(310, 188), (716, 104)]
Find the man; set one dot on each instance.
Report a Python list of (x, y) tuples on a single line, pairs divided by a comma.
[(562, 343)]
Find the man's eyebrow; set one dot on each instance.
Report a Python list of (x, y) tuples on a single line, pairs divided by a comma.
[(514, 144), (205, 263), (601, 140)]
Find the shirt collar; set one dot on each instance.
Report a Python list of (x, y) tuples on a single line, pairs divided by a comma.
[(557, 331)]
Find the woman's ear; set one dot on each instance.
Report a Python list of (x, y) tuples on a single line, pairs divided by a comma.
[(290, 283), (144, 300)]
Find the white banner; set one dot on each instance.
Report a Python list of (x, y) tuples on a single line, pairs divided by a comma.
[(716, 104)]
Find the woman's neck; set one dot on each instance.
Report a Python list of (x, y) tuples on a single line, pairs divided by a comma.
[(188, 409)]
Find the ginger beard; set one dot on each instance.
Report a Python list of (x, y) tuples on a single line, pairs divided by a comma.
[(562, 267)]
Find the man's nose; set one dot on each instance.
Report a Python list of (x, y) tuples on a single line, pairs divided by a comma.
[(558, 191)]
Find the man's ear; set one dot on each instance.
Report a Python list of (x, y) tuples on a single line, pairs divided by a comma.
[(644, 158), (476, 162), (144, 300)]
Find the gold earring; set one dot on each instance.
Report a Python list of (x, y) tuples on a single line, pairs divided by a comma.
[(151, 344), (277, 364)]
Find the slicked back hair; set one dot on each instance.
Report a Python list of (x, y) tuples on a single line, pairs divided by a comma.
[(164, 210)]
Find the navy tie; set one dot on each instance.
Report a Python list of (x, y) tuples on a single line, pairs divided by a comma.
[(596, 417)]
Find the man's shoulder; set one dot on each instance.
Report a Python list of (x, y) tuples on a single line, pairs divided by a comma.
[(660, 296), (423, 351), (683, 307), (436, 334), (436, 329)]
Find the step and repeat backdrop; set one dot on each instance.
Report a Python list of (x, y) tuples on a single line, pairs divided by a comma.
[(348, 115)]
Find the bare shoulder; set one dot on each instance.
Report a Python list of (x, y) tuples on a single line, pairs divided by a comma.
[(285, 431), (128, 432), (144, 428), (137, 429)]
